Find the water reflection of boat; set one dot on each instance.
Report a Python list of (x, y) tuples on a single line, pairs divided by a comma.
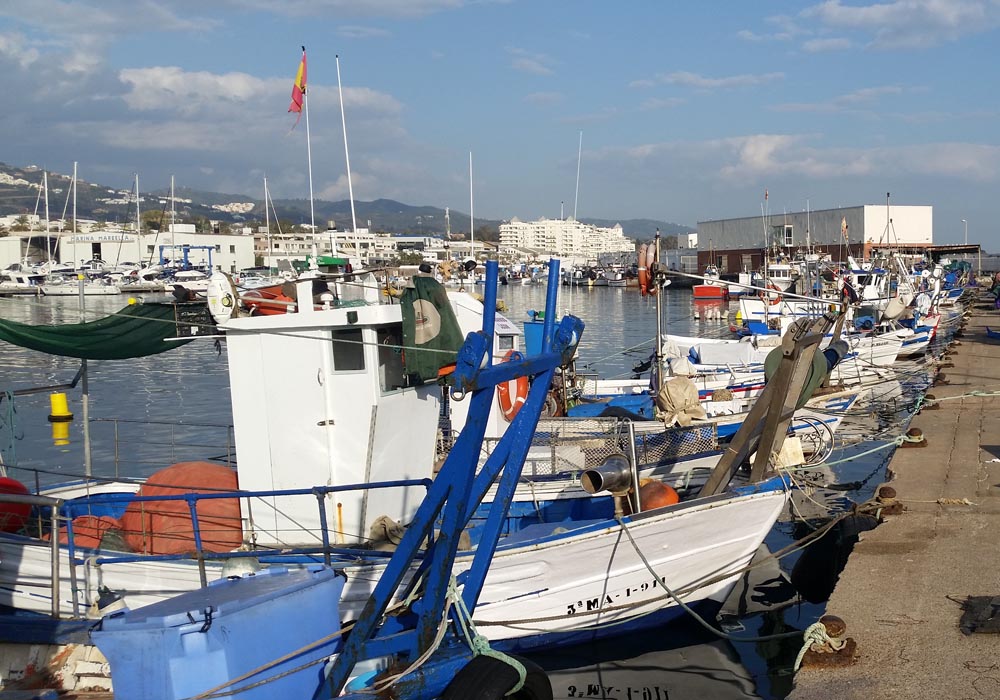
[(649, 667)]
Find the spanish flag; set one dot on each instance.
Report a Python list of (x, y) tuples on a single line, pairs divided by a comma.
[(299, 88)]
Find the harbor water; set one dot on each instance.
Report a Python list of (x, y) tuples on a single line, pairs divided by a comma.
[(184, 393)]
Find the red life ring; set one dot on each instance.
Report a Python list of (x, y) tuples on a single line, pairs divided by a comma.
[(770, 297), (511, 398)]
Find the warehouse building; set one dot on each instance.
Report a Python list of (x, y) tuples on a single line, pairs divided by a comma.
[(735, 245)]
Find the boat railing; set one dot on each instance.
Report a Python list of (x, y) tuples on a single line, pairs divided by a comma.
[(158, 443), (569, 446), (57, 517)]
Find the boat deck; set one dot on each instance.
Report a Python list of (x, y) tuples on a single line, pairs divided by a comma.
[(901, 592)]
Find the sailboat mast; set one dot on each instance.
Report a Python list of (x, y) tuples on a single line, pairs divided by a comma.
[(74, 209), (654, 277), (48, 243), (808, 241), (347, 157), (172, 219), (472, 226), (74, 197), (138, 214), (579, 155), (267, 222)]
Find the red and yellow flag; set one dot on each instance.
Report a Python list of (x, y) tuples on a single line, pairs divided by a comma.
[(299, 88)]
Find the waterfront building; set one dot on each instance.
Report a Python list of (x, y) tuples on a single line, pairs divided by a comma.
[(735, 245), (568, 239), (177, 243)]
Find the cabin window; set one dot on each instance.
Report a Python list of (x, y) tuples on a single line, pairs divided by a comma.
[(788, 237), (505, 342), (390, 358), (348, 350)]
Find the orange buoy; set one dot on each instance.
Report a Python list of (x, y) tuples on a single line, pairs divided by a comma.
[(512, 394), (655, 494)]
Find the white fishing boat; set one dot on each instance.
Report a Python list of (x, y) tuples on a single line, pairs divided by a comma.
[(699, 546)]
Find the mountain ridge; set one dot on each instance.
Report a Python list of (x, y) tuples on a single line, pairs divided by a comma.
[(20, 189)]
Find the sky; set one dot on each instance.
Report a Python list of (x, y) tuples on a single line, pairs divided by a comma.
[(688, 111)]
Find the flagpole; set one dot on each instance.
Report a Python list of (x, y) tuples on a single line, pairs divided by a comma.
[(309, 156), (347, 156)]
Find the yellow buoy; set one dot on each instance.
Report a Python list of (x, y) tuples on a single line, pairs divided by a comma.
[(59, 408)]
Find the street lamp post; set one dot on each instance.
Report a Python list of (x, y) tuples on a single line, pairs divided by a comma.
[(966, 231)]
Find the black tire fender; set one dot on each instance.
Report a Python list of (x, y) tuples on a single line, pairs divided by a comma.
[(489, 678)]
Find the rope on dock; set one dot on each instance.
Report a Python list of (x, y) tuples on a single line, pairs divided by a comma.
[(816, 634)]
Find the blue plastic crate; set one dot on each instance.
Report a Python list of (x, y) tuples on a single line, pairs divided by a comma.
[(198, 640)]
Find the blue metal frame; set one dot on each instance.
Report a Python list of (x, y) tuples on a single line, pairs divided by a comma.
[(453, 497)]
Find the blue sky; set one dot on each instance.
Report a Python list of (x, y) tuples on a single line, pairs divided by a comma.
[(689, 111)]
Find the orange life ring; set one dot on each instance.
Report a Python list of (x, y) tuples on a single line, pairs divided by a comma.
[(512, 398), (771, 297)]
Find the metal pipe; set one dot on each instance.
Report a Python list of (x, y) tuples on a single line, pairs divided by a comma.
[(490, 304), (551, 294)]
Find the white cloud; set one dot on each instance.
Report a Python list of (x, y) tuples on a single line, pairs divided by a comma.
[(695, 80), (544, 98), (351, 31), (909, 24), (355, 8), (830, 44), (755, 157), (17, 48), (529, 62), (786, 29), (338, 189), (851, 100), (661, 103)]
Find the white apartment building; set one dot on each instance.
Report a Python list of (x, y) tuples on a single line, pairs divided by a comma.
[(564, 238)]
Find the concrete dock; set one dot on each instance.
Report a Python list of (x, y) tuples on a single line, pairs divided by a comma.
[(901, 592)]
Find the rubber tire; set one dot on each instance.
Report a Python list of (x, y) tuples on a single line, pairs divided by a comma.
[(487, 678)]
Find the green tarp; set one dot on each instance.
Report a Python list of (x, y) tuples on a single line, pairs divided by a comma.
[(135, 331), (431, 335)]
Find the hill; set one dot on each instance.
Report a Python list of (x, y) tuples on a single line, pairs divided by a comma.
[(21, 188)]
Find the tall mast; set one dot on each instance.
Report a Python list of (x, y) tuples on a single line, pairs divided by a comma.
[(659, 307), (267, 222), (138, 214), (808, 240), (74, 210), (48, 243), (74, 197), (347, 157), (579, 155), (173, 216), (472, 226)]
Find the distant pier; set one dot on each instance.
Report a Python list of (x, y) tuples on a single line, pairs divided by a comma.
[(902, 592)]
